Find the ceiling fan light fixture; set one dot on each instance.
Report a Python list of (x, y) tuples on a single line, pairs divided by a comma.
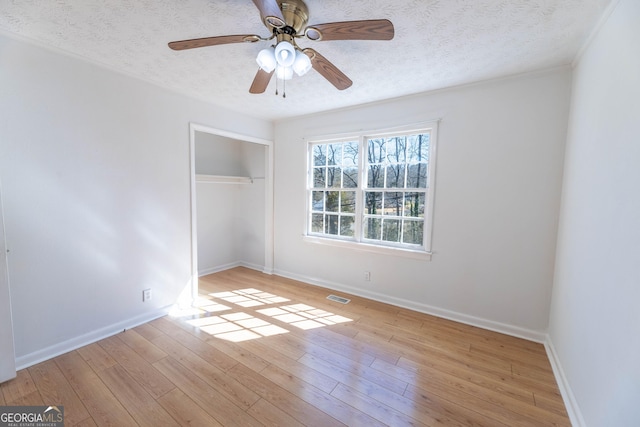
[(284, 73), (302, 63), (285, 54), (266, 59)]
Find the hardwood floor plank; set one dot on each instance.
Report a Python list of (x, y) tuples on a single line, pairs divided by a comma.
[(474, 372), (269, 350), (452, 388), (142, 346), (234, 351), (144, 373), (202, 348), (87, 422), (526, 416), (138, 402), (104, 407), (552, 405), (185, 411), (55, 389), (374, 408), (209, 399), (147, 331), (282, 399), (332, 406), (346, 346), (216, 378), (351, 373), (29, 399), (270, 415), (15, 390), (96, 357)]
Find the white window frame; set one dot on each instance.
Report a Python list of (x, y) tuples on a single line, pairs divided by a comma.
[(358, 242)]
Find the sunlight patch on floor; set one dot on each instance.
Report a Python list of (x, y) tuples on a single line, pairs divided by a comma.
[(304, 316), (249, 297), (236, 327), (240, 326)]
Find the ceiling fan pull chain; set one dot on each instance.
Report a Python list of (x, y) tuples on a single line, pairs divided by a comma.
[(284, 88)]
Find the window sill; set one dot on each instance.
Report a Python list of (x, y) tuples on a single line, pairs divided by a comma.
[(365, 247)]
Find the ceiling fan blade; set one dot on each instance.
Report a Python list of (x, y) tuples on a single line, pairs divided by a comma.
[(213, 41), (270, 13), (260, 81), (373, 29), (328, 70)]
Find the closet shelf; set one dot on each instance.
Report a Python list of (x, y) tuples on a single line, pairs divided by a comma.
[(222, 179)]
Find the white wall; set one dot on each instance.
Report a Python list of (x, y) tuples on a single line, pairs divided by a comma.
[(499, 168), (595, 316), (7, 353), (95, 174), (231, 225)]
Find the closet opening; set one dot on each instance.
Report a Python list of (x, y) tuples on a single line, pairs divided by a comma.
[(231, 202)]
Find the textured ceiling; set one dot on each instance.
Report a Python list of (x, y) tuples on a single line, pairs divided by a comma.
[(437, 44)]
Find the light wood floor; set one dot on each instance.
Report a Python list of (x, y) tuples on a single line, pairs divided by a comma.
[(264, 350)]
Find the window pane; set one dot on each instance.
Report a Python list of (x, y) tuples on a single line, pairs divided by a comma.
[(391, 230), (395, 176), (375, 179), (375, 150), (318, 177), (334, 154), (348, 202), (331, 223), (333, 178), (396, 149), (331, 202), (372, 227), (393, 204), (350, 177), (347, 226), (418, 148), (414, 205), (417, 176), (350, 154), (317, 223), (319, 155), (317, 201), (373, 203), (413, 232)]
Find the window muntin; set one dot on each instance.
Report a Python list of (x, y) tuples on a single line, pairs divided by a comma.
[(373, 189)]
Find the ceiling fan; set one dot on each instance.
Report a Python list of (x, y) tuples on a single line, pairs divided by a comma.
[(287, 21)]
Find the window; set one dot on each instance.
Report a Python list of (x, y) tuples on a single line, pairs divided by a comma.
[(375, 190)]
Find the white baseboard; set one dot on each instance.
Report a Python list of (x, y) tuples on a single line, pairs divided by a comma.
[(218, 268), (86, 339), (231, 265), (516, 331), (570, 402)]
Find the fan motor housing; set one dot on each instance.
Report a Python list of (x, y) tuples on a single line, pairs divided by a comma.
[(295, 13)]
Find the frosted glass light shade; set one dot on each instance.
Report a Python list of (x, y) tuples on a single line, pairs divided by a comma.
[(266, 60), (302, 64), (284, 73), (285, 54)]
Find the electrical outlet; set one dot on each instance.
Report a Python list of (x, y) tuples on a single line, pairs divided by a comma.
[(367, 276), (146, 295)]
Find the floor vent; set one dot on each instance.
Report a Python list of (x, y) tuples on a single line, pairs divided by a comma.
[(338, 299)]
